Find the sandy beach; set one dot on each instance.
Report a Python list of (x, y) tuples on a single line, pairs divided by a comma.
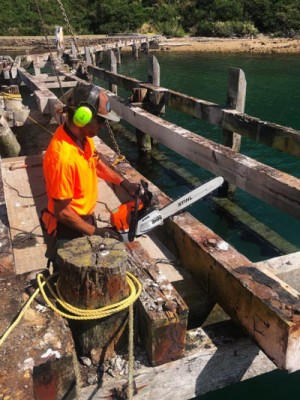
[(259, 44)]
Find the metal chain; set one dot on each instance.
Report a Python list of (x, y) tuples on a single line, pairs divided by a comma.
[(70, 29), (120, 157), (49, 49)]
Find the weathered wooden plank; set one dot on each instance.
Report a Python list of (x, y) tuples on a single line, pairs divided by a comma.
[(162, 314), (6, 253), (113, 78), (286, 267), (46, 100), (266, 183), (213, 360), (25, 196), (64, 84)]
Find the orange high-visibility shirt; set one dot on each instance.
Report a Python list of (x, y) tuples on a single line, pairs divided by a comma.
[(70, 173)]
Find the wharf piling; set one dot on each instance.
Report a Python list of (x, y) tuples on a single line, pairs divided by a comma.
[(93, 275)]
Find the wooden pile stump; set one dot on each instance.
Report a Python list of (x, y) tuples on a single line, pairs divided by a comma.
[(93, 275)]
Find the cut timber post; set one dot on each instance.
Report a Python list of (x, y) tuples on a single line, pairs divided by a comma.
[(156, 104), (135, 50), (98, 57), (117, 52), (9, 146), (87, 53), (144, 140), (113, 67), (93, 275), (236, 97)]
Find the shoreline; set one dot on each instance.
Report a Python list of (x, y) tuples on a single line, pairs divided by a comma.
[(260, 44)]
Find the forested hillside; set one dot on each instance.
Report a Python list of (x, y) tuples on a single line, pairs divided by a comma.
[(170, 17)]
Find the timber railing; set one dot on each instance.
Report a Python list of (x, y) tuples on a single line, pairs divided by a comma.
[(270, 185), (273, 135)]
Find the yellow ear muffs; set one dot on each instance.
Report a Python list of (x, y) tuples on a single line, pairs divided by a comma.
[(82, 116)]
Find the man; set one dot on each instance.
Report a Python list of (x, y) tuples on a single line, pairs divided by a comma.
[(71, 168)]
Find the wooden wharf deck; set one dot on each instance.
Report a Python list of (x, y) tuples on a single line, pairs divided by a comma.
[(263, 298)]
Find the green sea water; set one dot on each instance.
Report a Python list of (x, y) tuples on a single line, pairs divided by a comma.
[(273, 94)]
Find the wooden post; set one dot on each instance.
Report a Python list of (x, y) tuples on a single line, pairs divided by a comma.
[(113, 67), (145, 141), (118, 54), (146, 46), (9, 146), (37, 66), (87, 53), (236, 97), (135, 50), (73, 50), (93, 275), (99, 57), (153, 71)]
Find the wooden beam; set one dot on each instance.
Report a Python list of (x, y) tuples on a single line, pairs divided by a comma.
[(263, 304), (267, 307), (46, 100), (55, 85), (273, 135), (113, 78), (6, 255), (266, 183)]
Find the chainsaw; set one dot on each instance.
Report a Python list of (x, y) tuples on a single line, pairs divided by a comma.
[(137, 217)]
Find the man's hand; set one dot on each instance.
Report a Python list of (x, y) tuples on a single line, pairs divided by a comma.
[(107, 233), (130, 187)]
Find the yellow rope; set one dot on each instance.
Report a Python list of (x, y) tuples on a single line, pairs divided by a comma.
[(22, 312), (11, 96), (81, 314)]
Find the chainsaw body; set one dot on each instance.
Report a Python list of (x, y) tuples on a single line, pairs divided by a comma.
[(125, 217)]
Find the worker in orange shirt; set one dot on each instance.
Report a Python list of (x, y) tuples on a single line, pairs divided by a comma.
[(71, 167)]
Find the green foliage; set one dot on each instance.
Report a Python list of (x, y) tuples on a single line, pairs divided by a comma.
[(169, 17), (226, 29), (116, 16), (166, 19)]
